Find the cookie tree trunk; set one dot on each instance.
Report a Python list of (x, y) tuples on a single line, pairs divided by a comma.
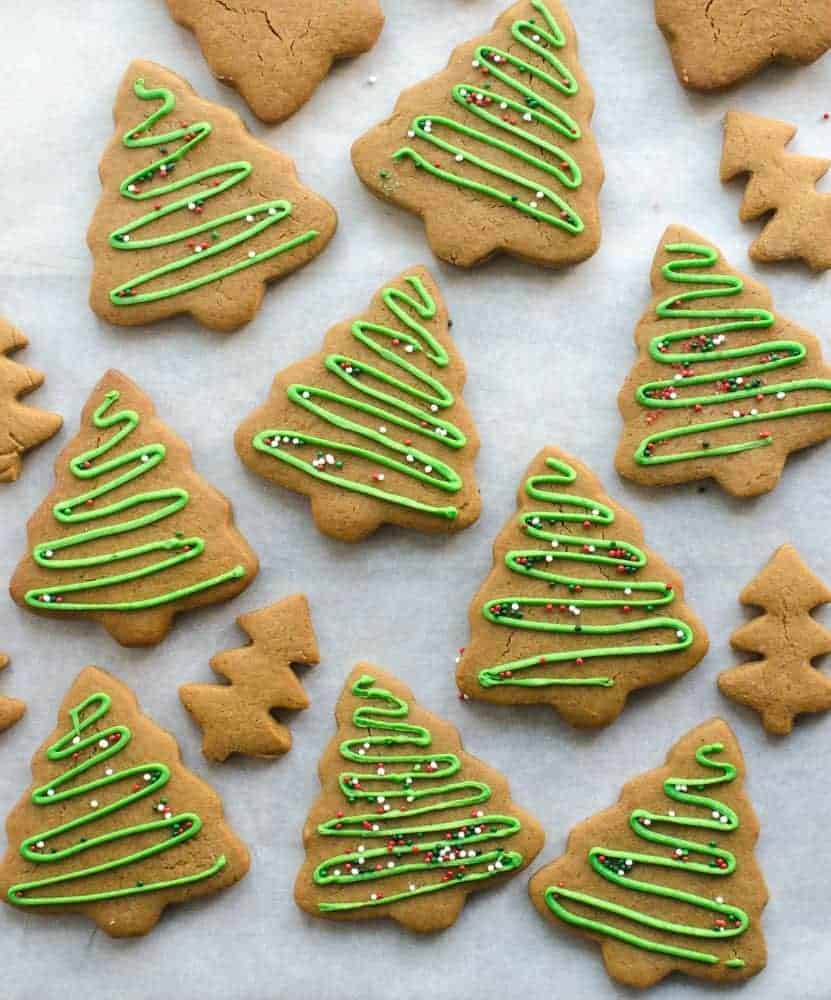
[(130, 535), (114, 826), (783, 682)]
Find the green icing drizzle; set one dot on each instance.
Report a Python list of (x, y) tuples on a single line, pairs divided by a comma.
[(493, 108), (621, 867), (201, 186), (399, 772), (92, 750), (381, 399), (541, 564), (83, 509), (705, 345)]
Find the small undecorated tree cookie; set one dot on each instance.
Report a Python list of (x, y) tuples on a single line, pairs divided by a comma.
[(496, 153), (196, 215), (666, 880), (276, 52), (716, 43), (577, 612), (114, 825), (373, 428), (407, 824), (724, 387), (237, 717), (11, 710), (21, 426), (130, 535), (783, 683), (782, 187)]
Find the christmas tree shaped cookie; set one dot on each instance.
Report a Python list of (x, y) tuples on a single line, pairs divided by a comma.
[(782, 187), (496, 153), (407, 823), (716, 43), (196, 216), (236, 717), (666, 880), (576, 613), (276, 52), (724, 387), (783, 682), (11, 710), (130, 535), (371, 428), (21, 426), (114, 825)]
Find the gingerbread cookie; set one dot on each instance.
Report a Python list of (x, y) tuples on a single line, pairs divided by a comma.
[(130, 536), (782, 682), (196, 215), (782, 188), (237, 717), (666, 880), (114, 825), (371, 428), (576, 613), (21, 426), (496, 153), (716, 43), (276, 52), (724, 387), (407, 824), (11, 710)]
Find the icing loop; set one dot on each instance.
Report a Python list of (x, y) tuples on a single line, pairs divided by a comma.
[(678, 854), (401, 785), (544, 161), (86, 747), (535, 613), (204, 239), (412, 404), (742, 369), (84, 509)]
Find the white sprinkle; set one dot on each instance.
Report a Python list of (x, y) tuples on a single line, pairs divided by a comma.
[(109, 772), (540, 195), (191, 205), (252, 253), (93, 803), (411, 135), (627, 591), (249, 218), (272, 211), (412, 887), (103, 744), (306, 395), (428, 469), (372, 80), (382, 429), (76, 740), (336, 872), (780, 395), (40, 843)]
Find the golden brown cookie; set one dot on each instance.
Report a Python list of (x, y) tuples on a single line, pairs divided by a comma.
[(196, 215), (724, 387), (11, 710), (496, 153), (716, 43), (373, 428), (576, 613), (276, 52), (21, 426), (782, 682), (781, 187), (666, 880), (407, 824), (130, 535), (237, 717), (114, 825)]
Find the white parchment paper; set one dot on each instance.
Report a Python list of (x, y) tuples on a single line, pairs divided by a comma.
[(546, 353)]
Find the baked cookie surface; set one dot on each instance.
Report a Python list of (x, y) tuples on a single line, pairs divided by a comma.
[(196, 215), (495, 153), (114, 826), (276, 52), (717, 43)]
